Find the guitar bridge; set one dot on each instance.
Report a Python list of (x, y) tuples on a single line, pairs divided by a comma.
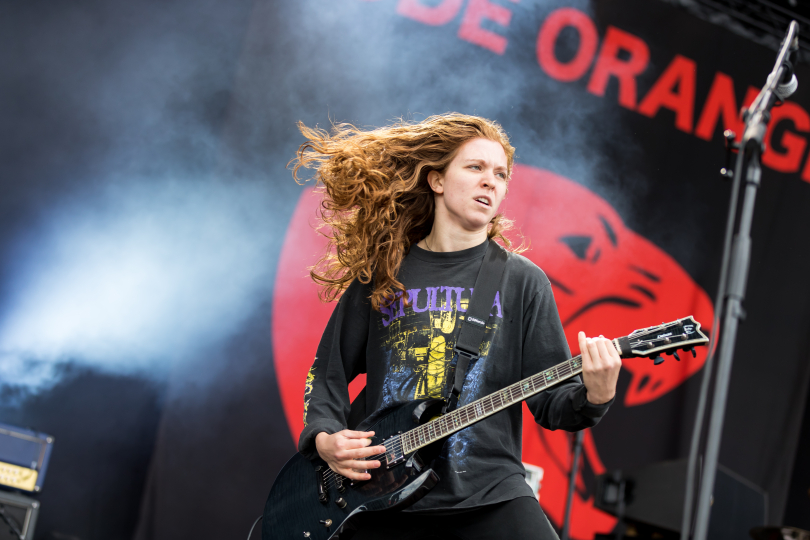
[(323, 495)]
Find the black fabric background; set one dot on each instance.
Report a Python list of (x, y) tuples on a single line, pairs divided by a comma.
[(212, 433)]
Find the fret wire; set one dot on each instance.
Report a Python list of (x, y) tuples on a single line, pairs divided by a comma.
[(489, 404)]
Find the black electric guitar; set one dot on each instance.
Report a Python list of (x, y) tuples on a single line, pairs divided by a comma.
[(309, 500)]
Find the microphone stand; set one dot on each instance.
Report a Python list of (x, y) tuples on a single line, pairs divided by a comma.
[(572, 482), (733, 280)]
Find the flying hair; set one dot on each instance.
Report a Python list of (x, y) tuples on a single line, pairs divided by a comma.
[(376, 199)]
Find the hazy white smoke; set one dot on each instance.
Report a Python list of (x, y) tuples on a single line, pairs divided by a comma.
[(137, 279)]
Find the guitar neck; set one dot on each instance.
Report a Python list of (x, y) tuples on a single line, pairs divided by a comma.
[(486, 406)]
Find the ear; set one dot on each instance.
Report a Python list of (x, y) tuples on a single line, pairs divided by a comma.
[(436, 181)]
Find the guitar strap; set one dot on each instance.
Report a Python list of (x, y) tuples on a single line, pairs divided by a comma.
[(470, 337), (474, 325)]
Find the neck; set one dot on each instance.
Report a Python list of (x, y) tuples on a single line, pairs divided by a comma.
[(448, 241)]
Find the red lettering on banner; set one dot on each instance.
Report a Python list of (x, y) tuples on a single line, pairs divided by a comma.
[(432, 15), (681, 74), (806, 170), (477, 11), (547, 39), (789, 160), (720, 101), (609, 65)]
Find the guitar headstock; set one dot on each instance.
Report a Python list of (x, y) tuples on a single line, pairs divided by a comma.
[(682, 334)]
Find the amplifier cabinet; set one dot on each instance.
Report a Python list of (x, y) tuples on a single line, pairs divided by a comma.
[(24, 456), (21, 512)]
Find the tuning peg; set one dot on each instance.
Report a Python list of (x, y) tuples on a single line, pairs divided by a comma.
[(675, 354), (658, 360)]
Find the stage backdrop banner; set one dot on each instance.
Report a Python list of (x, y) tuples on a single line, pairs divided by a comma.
[(617, 110)]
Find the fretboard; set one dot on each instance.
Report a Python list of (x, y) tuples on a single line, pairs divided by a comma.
[(488, 405)]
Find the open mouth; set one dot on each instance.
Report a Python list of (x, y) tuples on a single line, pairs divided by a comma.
[(483, 200)]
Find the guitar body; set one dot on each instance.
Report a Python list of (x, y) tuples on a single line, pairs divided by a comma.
[(296, 509)]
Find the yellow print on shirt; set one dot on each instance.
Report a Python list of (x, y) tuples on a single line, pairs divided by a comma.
[(308, 390), (427, 349)]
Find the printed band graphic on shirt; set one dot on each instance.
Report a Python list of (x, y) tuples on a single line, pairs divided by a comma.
[(418, 343)]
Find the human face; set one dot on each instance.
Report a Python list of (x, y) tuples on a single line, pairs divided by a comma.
[(472, 187)]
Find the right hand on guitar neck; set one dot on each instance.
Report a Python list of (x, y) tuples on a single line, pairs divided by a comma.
[(345, 451)]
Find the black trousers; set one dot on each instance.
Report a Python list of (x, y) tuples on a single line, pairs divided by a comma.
[(519, 518)]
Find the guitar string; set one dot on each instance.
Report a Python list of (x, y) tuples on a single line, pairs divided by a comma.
[(563, 370), (330, 475)]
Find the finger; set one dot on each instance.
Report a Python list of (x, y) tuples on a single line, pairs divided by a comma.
[(354, 444), (359, 464), (583, 351), (604, 355), (353, 474), (593, 352), (614, 352), (349, 434), (368, 452)]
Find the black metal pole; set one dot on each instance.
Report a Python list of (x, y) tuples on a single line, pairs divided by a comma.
[(572, 484), (734, 313)]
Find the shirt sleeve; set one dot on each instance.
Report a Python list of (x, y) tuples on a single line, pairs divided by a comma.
[(563, 406), (339, 359)]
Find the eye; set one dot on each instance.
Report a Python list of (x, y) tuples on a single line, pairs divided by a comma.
[(578, 244), (476, 167), (501, 175)]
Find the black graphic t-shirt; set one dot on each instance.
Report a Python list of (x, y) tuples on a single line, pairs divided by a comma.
[(406, 352)]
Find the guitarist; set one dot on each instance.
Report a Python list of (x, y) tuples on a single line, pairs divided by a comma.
[(409, 210)]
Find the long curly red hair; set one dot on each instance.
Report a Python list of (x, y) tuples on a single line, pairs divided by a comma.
[(376, 198)]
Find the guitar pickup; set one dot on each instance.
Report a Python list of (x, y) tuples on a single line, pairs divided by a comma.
[(393, 451)]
